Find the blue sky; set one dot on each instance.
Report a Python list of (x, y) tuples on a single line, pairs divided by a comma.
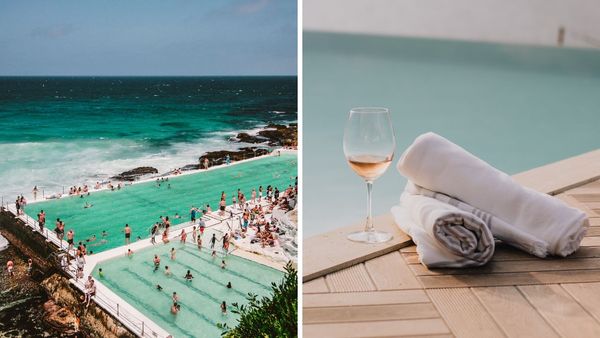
[(151, 37)]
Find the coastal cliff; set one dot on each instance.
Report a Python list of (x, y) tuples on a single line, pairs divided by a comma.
[(44, 296)]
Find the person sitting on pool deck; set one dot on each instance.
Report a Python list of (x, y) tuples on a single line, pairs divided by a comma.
[(90, 291), (156, 261), (127, 231), (172, 254), (168, 271), (188, 276)]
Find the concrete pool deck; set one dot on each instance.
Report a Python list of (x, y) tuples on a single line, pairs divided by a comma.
[(383, 290)]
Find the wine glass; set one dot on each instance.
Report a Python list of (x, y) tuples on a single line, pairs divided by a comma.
[(369, 146)]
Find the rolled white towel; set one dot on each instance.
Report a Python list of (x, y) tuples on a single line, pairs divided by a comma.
[(432, 253), (462, 233), (500, 229), (442, 166)]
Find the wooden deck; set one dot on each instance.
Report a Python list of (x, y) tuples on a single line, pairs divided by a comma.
[(389, 293)]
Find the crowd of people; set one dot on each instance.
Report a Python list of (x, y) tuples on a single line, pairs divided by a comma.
[(251, 212)]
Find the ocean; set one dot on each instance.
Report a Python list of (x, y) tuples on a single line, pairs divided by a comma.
[(58, 132)]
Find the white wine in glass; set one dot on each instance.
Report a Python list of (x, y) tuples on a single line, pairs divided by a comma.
[(369, 146)]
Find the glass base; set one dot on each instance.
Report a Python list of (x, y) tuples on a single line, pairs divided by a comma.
[(370, 237)]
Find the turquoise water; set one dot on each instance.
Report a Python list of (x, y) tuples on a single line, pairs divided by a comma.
[(133, 279), (65, 131), (141, 205), (517, 107)]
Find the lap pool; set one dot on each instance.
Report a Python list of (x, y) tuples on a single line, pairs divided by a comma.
[(134, 280), (140, 205)]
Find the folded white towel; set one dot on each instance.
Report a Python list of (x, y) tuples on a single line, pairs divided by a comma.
[(431, 252), (439, 165), (461, 232)]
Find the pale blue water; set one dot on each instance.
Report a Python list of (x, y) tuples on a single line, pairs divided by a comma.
[(134, 280), (517, 107), (140, 205)]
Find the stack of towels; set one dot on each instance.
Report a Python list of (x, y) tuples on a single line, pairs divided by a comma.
[(455, 205)]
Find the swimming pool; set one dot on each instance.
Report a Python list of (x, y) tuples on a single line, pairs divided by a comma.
[(134, 280), (140, 205), (517, 107)]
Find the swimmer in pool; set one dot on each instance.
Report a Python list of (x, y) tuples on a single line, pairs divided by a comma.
[(87, 205), (156, 261), (168, 271), (100, 273), (129, 253), (173, 254), (188, 276), (223, 264), (229, 285), (158, 287), (91, 239)]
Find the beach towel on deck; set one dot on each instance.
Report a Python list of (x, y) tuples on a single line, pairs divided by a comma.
[(445, 235), (439, 165)]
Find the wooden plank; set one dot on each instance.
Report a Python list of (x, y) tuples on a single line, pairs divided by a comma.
[(590, 241), (587, 295), (593, 232), (595, 221), (561, 311), (365, 298), (504, 279), (513, 313), (354, 278), (563, 175), (585, 197), (390, 272), (315, 286), (368, 313), (571, 201), (377, 329), (531, 265), (332, 251), (463, 313)]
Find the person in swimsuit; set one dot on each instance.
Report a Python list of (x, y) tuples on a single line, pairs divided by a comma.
[(156, 262), (193, 212), (168, 272), (188, 276), (158, 287), (70, 236), (165, 237), (213, 240), (9, 268), (172, 254), (183, 236), (175, 308), (194, 233), (175, 297), (41, 220), (229, 285), (199, 241), (127, 231), (224, 308), (129, 253), (223, 265)]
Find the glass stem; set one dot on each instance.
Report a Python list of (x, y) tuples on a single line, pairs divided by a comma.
[(369, 225)]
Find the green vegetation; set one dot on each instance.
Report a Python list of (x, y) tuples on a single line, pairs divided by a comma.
[(269, 317)]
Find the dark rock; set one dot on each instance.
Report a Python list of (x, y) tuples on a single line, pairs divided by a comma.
[(274, 135), (218, 157), (134, 174), (247, 138), (61, 319)]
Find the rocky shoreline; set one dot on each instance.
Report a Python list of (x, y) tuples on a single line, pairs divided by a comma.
[(272, 135)]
